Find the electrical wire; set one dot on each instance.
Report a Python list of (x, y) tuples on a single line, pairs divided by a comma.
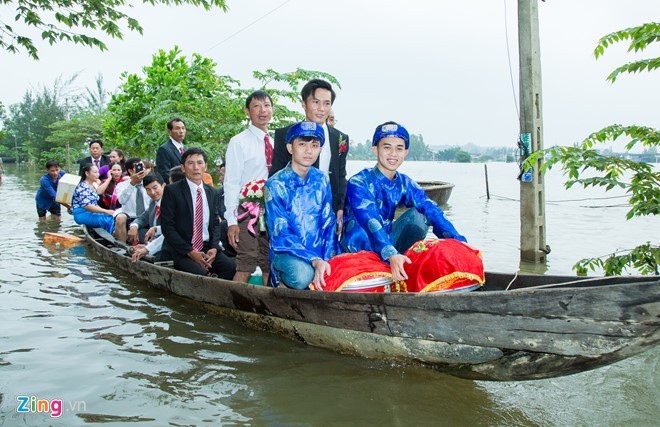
[(246, 27), (586, 199), (508, 53)]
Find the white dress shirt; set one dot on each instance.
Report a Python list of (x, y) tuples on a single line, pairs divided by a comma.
[(126, 194), (245, 160), (177, 144), (205, 205), (326, 153), (156, 244)]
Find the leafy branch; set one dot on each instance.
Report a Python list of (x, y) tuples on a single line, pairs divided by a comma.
[(70, 20), (640, 38), (645, 258), (640, 180)]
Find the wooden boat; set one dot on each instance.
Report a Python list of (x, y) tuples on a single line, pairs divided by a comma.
[(517, 327), (438, 191)]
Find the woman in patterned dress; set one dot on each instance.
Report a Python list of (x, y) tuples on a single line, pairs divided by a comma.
[(86, 210)]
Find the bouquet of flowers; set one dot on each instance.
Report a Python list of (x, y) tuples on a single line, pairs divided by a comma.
[(252, 200)]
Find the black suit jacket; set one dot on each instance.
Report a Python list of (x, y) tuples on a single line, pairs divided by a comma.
[(148, 217), (176, 218), (167, 157), (337, 170), (104, 160)]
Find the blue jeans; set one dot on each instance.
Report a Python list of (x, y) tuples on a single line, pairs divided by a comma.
[(292, 271), (94, 219), (409, 228)]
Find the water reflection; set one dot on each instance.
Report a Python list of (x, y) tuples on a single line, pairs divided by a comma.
[(526, 267)]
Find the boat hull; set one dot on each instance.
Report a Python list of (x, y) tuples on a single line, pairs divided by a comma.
[(519, 334)]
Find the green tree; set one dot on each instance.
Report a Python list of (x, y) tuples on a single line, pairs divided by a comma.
[(4, 140), (447, 155), (27, 125), (68, 138), (463, 157), (96, 99), (454, 154), (586, 166), (418, 150), (75, 21), (29, 122), (361, 151), (211, 105), (172, 87)]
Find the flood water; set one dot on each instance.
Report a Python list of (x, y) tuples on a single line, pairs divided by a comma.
[(116, 352)]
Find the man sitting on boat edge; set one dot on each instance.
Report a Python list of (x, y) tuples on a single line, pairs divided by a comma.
[(372, 197), (301, 222), (149, 221), (191, 224)]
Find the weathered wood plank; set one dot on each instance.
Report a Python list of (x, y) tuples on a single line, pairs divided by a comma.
[(489, 334)]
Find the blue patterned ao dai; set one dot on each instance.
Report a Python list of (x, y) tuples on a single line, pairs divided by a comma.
[(371, 200), (299, 215)]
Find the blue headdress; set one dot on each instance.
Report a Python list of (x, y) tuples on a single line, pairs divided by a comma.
[(391, 130), (306, 129)]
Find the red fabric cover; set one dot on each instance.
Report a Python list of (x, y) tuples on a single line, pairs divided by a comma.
[(350, 267), (444, 264)]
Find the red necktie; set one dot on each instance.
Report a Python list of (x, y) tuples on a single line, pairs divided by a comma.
[(269, 152), (181, 149), (198, 226), (97, 163), (157, 213)]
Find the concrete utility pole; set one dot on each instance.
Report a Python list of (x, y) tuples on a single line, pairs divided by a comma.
[(532, 194)]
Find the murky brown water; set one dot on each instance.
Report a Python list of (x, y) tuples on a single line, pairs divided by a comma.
[(117, 352)]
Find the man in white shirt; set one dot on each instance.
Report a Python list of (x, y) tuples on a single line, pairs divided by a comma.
[(132, 196), (149, 221), (248, 157)]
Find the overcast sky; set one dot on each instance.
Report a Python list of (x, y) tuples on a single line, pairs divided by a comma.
[(439, 67)]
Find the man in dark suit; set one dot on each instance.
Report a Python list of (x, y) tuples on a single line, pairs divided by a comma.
[(97, 157), (317, 99), (191, 224), (169, 153), (146, 227)]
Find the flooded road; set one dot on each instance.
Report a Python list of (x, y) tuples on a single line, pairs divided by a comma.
[(116, 352)]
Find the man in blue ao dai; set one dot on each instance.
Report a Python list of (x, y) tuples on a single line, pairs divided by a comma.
[(372, 197), (299, 214)]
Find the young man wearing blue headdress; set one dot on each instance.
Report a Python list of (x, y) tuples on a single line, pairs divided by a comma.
[(299, 215), (372, 197)]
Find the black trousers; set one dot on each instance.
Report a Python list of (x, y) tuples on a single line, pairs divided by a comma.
[(223, 266)]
